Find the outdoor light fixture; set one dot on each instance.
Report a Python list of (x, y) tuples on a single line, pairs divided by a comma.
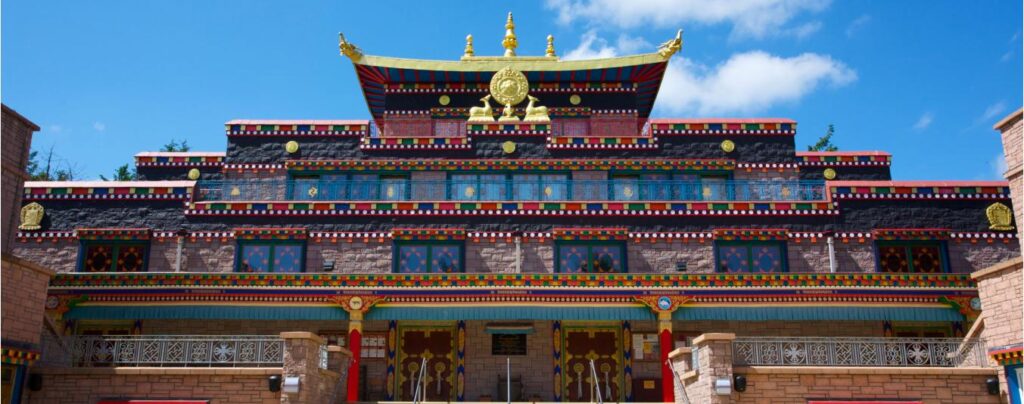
[(739, 383), (328, 265), (680, 266), (274, 383), (723, 387), (291, 384), (35, 381), (992, 384)]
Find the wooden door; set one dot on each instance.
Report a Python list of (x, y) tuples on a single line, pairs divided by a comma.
[(435, 346), (603, 345)]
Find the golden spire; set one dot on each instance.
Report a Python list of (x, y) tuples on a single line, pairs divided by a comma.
[(550, 51), (469, 47), (510, 41)]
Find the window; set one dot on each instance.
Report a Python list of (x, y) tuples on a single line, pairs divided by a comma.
[(591, 257), (664, 187), (356, 187), (262, 256), (739, 256), (109, 256), (478, 187), (908, 257), (425, 257), (546, 187)]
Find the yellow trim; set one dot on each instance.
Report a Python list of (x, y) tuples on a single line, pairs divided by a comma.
[(525, 64)]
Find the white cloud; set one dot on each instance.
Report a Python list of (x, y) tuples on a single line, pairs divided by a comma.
[(991, 113), (924, 121), (1007, 56), (56, 128), (593, 47), (857, 24), (99, 126), (749, 18), (805, 30), (998, 165), (747, 82)]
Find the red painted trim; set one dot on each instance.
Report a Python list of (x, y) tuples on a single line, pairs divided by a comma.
[(843, 153), (722, 120), (355, 344), (665, 343)]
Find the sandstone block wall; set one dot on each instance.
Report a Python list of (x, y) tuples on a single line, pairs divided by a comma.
[(1012, 133), (16, 142), (89, 385), (23, 295)]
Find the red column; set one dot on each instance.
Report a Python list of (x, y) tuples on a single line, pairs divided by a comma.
[(355, 342), (666, 343)]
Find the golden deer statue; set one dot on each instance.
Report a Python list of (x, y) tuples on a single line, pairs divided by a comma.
[(536, 113), (484, 113)]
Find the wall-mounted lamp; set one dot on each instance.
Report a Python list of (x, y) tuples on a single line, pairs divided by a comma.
[(739, 382), (274, 383), (723, 387)]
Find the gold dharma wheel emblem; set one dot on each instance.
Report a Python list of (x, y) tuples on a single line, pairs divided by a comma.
[(509, 87), (728, 146)]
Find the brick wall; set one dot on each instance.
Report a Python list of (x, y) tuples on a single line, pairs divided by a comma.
[(219, 385), (1000, 290), (23, 295), (483, 370), (771, 385), (1013, 141), (16, 142)]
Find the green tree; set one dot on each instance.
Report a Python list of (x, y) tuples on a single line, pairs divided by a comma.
[(122, 173), (53, 168), (174, 146), (825, 142)]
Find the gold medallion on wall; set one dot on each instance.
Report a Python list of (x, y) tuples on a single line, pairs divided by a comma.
[(1000, 217)]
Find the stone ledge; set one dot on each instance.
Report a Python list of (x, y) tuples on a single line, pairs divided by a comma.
[(156, 371), (713, 336), (679, 351), (1008, 265), (330, 373), (339, 349), (837, 370), (302, 335), (689, 375)]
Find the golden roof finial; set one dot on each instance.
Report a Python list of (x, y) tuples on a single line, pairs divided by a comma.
[(348, 49), (469, 47), (510, 41), (550, 51), (671, 46)]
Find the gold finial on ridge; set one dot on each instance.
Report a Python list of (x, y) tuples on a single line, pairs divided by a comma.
[(671, 46), (550, 51), (348, 49), (510, 43), (469, 46)]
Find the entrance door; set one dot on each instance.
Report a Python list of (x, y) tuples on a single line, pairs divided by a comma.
[(434, 345), (603, 345)]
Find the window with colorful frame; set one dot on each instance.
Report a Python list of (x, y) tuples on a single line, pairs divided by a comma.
[(750, 256), (270, 256), (428, 257), (663, 186), (355, 187), (912, 256), (114, 256), (590, 257)]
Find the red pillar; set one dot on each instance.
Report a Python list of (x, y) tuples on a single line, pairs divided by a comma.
[(355, 342), (666, 343)]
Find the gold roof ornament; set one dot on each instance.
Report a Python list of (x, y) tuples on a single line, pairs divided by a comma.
[(348, 48), (1000, 217), (550, 51), (31, 216), (509, 87), (671, 46), (468, 53), (510, 42)]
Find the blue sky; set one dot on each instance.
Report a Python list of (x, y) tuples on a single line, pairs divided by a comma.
[(924, 80)]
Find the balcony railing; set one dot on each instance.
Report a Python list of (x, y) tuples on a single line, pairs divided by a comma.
[(848, 351), (390, 189), (176, 350)]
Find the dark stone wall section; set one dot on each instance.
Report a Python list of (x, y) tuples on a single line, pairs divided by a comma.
[(879, 173), (177, 173)]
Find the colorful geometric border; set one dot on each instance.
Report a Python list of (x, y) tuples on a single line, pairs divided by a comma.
[(415, 143), (1007, 355), (522, 129), (36, 193), (489, 280), (895, 191), (910, 234), (295, 129), (668, 127), (602, 143), (271, 233), (113, 234), (751, 234), (510, 165), (590, 234), (843, 159), (542, 87), (410, 234), (191, 160), (511, 208), (17, 356)]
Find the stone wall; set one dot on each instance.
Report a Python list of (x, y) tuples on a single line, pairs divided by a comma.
[(1012, 133), (219, 385), (23, 296), (778, 385), (16, 141), (1000, 291)]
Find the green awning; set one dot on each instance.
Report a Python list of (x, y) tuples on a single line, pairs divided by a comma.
[(818, 313), (205, 313), (511, 313)]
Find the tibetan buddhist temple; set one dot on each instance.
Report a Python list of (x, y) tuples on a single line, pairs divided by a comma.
[(514, 227)]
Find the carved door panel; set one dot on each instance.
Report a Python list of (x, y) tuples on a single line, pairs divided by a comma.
[(435, 344), (603, 345)]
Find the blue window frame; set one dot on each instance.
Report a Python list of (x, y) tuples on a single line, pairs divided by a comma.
[(423, 257), (668, 186), (750, 256), (270, 256), (590, 257), (1013, 383), (355, 187), (113, 256), (540, 187)]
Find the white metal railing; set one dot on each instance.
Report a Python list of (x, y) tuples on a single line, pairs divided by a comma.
[(176, 350), (851, 351)]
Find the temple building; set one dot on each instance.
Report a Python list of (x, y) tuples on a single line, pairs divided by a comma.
[(519, 227)]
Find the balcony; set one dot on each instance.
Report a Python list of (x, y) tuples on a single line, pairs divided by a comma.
[(857, 351), (480, 188)]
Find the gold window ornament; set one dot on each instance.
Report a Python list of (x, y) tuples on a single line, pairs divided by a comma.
[(291, 147), (469, 192), (829, 174), (312, 192), (1000, 217), (728, 146), (575, 99), (31, 216), (444, 99), (193, 174), (508, 147)]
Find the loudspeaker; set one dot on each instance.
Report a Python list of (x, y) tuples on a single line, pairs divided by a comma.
[(274, 383), (992, 384), (739, 382), (35, 381)]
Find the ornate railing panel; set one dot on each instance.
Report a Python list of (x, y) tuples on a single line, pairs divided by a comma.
[(177, 350), (851, 351), (324, 359)]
